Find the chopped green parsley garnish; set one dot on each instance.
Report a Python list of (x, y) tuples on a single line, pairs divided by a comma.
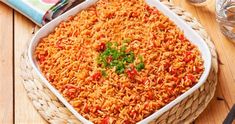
[(118, 58), (140, 66), (103, 72)]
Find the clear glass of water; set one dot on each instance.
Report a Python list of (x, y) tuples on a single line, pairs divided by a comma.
[(197, 1), (225, 14)]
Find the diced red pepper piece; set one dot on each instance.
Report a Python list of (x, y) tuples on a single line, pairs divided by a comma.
[(198, 70), (96, 76), (100, 36), (76, 33), (97, 108), (117, 107), (155, 36), (101, 47), (49, 77), (145, 19), (98, 29), (127, 121), (126, 84), (69, 86), (134, 14), (173, 70), (189, 56), (187, 59), (167, 64), (150, 95), (161, 26), (71, 90), (188, 53), (160, 81), (109, 59), (170, 91), (133, 112), (96, 13), (175, 79), (105, 120), (88, 33), (146, 105), (148, 8), (131, 73), (181, 37), (191, 77), (86, 108), (41, 58), (144, 80), (110, 15), (58, 45), (70, 94), (155, 11), (71, 18), (95, 20)]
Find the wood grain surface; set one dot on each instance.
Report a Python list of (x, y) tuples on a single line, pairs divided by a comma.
[(16, 30), (6, 62)]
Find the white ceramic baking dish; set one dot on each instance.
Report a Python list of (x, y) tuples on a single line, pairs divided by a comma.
[(189, 33)]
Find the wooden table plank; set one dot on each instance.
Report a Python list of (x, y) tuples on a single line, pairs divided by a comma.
[(24, 110), (6, 62)]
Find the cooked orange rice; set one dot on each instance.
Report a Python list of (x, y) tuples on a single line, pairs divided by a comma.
[(156, 63)]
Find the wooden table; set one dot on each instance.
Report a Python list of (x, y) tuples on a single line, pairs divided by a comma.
[(16, 31)]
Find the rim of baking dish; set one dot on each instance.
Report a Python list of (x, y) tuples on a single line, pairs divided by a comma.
[(189, 33)]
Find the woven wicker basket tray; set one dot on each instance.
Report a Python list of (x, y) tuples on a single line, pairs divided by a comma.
[(52, 110)]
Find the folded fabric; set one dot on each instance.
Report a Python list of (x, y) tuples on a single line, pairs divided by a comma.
[(42, 11)]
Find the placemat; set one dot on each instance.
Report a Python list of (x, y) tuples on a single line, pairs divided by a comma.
[(53, 111)]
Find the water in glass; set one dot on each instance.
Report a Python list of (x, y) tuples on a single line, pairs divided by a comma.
[(225, 14)]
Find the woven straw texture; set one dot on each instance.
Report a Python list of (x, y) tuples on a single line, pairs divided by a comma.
[(52, 110)]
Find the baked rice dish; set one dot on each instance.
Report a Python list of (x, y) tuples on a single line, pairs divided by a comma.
[(119, 61)]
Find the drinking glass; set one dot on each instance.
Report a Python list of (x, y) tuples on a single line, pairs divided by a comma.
[(225, 15), (197, 1)]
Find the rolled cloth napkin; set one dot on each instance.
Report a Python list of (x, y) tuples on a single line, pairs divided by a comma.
[(42, 11)]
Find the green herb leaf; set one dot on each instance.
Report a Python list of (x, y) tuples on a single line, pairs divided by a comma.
[(127, 40), (130, 57), (123, 48), (120, 68), (120, 59), (104, 73), (114, 63), (140, 66), (115, 44), (109, 44), (114, 53), (141, 58)]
